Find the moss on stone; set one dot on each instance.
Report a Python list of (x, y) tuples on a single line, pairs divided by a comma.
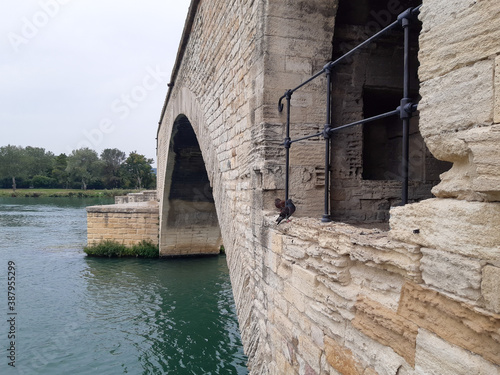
[(113, 249)]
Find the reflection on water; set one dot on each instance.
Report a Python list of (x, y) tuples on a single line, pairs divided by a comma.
[(79, 315)]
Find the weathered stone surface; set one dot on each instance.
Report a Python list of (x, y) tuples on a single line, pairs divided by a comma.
[(490, 288), (457, 33), (435, 356), (369, 246), (386, 327), (455, 322), (374, 355), (384, 287), (475, 174), (126, 223), (457, 101), (341, 358), (465, 228), (452, 273), (496, 116)]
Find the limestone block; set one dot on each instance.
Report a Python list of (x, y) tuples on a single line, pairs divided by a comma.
[(294, 296), (378, 251), (455, 322), (282, 365), (384, 287), (304, 280), (335, 297), (466, 228), (475, 174), (490, 288), (386, 327), (294, 248), (335, 273), (310, 352), (372, 354), (456, 33), (496, 117), (317, 336), (435, 356), (452, 273), (341, 358), (456, 101)]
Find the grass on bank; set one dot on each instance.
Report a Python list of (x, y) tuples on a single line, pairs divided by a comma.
[(113, 249), (37, 193)]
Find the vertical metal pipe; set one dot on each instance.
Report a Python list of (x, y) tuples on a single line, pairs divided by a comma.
[(326, 215), (287, 145), (406, 118)]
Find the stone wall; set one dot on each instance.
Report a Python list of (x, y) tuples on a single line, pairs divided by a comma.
[(325, 299), (143, 196), (236, 59), (351, 300), (128, 223)]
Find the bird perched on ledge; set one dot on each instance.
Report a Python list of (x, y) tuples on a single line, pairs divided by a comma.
[(286, 211), (279, 203)]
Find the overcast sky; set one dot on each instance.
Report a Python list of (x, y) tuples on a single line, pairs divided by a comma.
[(86, 73)]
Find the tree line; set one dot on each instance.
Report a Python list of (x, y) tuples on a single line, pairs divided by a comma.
[(34, 167)]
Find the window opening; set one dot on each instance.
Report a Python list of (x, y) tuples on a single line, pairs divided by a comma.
[(404, 110)]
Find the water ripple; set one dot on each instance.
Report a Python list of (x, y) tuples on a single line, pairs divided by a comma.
[(80, 315)]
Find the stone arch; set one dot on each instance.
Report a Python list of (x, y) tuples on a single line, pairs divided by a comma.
[(189, 223)]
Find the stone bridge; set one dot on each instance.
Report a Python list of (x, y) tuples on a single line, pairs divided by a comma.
[(383, 289)]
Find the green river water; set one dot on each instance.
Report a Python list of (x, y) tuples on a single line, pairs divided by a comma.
[(69, 314)]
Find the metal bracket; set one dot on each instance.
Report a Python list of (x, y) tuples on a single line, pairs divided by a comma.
[(287, 143), (327, 130), (405, 16), (406, 108), (288, 96)]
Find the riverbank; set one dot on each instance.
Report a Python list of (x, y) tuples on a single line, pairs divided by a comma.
[(71, 193)]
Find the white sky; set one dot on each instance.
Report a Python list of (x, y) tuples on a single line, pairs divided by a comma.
[(86, 73)]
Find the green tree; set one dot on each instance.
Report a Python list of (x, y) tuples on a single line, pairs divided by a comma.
[(38, 162), (137, 171), (83, 165), (58, 172), (12, 163), (112, 159)]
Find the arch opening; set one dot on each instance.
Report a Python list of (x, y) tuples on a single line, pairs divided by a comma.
[(189, 223)]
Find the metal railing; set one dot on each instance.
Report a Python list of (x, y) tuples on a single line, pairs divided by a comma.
[(404, 110)]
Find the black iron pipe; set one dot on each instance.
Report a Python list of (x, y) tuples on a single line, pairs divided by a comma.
[(331, 64), (307, 137), (366, 120), (287, 145), (406, 119), (328, 125)]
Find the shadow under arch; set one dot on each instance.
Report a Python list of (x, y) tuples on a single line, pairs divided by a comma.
[(189, 223)]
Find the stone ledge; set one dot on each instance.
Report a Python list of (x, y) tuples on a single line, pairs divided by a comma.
[(372, 247), (466, 228), (139, 207)]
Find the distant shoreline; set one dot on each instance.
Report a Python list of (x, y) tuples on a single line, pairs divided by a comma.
[(71, 193)]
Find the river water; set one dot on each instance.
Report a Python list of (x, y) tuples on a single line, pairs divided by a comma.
[(71, 314)]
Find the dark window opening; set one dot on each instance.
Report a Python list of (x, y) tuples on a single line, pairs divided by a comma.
[(367, 159), (382, 139)]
